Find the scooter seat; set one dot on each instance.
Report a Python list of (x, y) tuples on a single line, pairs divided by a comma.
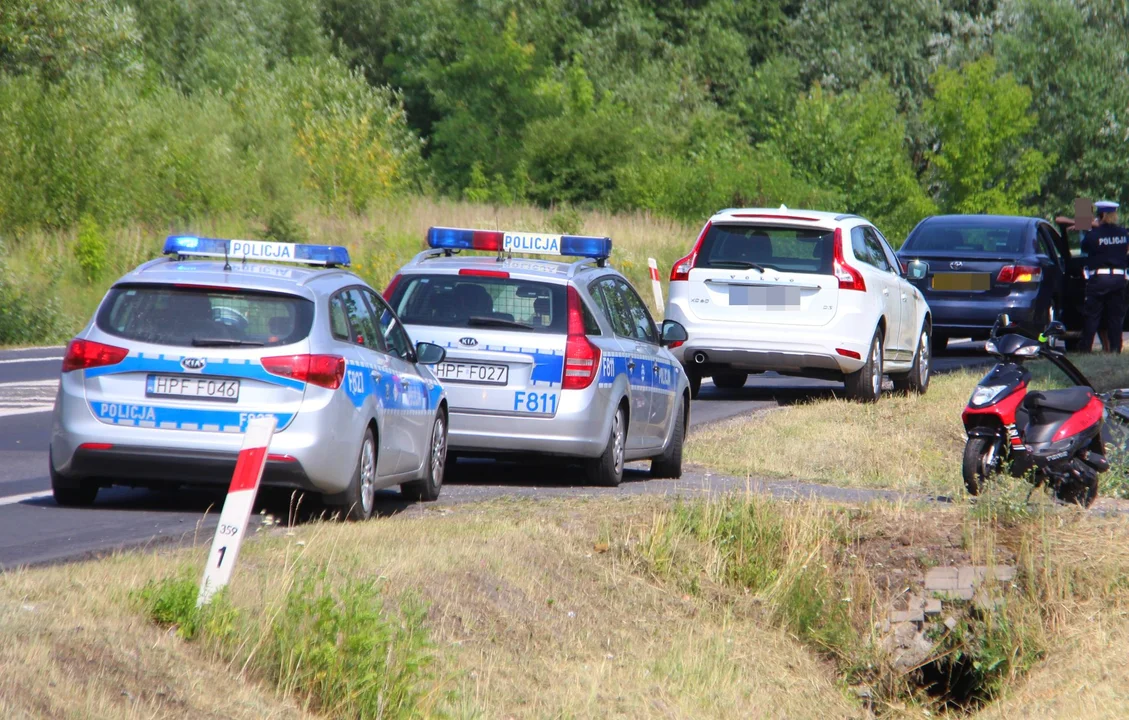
[(1069, 400)]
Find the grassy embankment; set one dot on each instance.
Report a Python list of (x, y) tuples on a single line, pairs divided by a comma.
[(380, 241), (912, 443), (612, 608)]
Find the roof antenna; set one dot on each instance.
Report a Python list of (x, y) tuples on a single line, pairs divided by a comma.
[(226, 264)]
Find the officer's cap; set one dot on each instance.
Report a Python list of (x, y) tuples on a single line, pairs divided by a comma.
[(1105, 206)]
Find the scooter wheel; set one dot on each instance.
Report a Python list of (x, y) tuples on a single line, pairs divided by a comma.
[(981, 461)]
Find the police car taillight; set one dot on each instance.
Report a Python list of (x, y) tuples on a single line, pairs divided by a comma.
[(682, 268), (325, 371), (582, 358), (83, 354), (391, 287)]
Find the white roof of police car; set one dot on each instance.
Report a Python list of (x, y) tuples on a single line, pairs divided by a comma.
[(828, 219), (305, 281), (526, 268)]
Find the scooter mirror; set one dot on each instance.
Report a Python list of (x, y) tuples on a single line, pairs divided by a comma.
[(1003, 322), (1055, 329)]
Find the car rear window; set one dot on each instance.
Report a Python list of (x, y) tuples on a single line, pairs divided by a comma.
[(986, 239), (787, 249), (202, 317), (477, 301)]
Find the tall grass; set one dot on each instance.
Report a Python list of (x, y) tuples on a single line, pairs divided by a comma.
[(381, 239)]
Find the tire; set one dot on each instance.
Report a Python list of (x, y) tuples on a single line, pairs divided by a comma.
[(669, 464), (427, 488), (695, 380), (982, 460), (730, 380), (607, 470), (865, 384), (68, 492), (916, 381), (357, 502)]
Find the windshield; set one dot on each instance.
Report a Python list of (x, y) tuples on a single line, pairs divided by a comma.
[(786, 249), (474, 301), (203, 317), (989, 238)]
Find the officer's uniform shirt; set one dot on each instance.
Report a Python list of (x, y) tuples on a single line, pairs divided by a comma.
[(1106, 246)]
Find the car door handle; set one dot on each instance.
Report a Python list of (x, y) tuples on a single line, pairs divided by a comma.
[(405, 384), (630, 364), (885, 291), (376, 375)]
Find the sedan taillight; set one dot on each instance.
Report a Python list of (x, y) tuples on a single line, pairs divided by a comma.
[(582, 358), (323, 370), (1020, 274), (84, 354)]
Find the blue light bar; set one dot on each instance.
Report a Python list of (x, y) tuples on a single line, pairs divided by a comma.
[(510, 241), (258, 250)]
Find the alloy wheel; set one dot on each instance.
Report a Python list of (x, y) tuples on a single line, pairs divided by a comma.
[(617, 442), (876, 368), (923, 359), (368, 475), (438, 451)]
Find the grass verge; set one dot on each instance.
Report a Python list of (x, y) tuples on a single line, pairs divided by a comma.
[(911, 443)]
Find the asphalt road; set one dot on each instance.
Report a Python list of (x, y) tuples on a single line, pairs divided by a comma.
[(33, 530)]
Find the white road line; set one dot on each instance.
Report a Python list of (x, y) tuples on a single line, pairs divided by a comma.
[(53, 358), (30, 410), (13, 499), (30, 383)]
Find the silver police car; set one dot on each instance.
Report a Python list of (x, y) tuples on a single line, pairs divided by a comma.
[(546, 357), (157, 389)]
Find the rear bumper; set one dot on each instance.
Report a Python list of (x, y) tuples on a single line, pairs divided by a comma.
[(975, 317), (783, 348), (580, 428), (161, 466), (319, 438)]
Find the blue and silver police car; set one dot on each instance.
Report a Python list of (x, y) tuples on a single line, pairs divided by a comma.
[(546, 357), (157, 389)]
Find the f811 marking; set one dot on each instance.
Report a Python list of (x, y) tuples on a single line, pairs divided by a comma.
[(532, 402)]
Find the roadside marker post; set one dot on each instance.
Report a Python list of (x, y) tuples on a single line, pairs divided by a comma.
[(237, 507), (657, 285)]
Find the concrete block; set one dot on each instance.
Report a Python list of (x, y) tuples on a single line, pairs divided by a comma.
[(941, 578), (1005, 573), (950, 623), (907, 616), (970, 576), (965, 593), (932, 607)]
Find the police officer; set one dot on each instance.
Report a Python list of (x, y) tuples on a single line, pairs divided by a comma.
[(1107, 254)]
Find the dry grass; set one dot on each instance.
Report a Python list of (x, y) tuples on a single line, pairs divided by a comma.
[(908, 443), (380, 241), (528, 615)]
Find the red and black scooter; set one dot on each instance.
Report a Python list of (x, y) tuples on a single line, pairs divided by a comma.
[(1054, 437)]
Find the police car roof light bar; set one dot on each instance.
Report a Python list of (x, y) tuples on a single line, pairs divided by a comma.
[(508, 241), (256, 250)]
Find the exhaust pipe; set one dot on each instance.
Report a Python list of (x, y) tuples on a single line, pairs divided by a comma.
[(700, 357)]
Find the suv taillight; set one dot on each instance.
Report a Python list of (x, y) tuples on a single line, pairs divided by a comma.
[(83, 354), (681, 270), (849, 277), (582, 358), (1019, 274), (323, 370)]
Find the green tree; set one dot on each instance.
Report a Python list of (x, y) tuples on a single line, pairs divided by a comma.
[(983, 162), (57, 37), (1073, 56), (855, 144)]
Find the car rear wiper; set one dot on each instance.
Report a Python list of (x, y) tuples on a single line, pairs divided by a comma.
[(224, 342), (738, 263), (479, 321)]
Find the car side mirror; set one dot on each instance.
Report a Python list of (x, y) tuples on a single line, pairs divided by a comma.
[(673, 333), (430, 353), (917, 270)]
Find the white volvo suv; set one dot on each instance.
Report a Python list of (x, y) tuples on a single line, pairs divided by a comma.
[(803, 293)]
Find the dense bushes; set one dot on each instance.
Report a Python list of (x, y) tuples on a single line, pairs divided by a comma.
[(161, 110)]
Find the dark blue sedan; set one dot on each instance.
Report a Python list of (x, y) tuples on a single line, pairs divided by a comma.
[(971, 268)]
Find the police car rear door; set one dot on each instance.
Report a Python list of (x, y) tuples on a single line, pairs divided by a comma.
[(634, 359), (368, 376), (659, 376), (505, 337), (415, 398)]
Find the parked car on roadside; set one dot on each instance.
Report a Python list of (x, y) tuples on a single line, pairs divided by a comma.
[(157, 389), (799, 292), (975, 267), (554, 356)]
